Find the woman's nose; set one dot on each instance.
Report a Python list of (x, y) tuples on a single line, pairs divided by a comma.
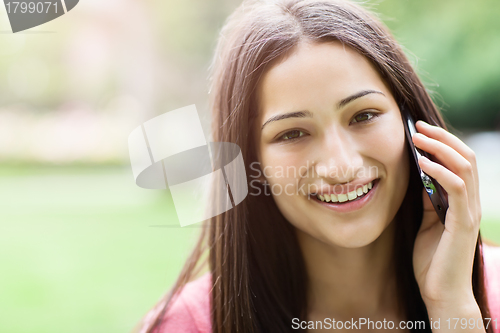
[(338, 159)]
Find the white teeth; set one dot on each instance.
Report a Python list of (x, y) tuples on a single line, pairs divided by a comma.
[(345, 197), (342, 198), (352, 195)]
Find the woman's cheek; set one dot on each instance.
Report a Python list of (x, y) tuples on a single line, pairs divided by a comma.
[(395, 159), (283, 171), (390, 135)]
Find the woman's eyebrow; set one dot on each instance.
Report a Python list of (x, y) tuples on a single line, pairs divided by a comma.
[(297, 114), (308, 114), (357, 95)]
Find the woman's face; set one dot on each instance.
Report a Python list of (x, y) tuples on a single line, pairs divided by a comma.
[(328, 124)]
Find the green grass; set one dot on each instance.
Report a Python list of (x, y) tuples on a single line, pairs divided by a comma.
[(81, 250), (490, 230)]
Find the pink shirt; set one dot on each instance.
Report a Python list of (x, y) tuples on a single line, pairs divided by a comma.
[(190, 311)]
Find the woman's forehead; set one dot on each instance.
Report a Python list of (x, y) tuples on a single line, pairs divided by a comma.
[(313, 72)]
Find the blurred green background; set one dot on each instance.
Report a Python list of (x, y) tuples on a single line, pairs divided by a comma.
[(82, 248)]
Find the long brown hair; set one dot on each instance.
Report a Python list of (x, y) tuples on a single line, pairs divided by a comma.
[(257, 268)]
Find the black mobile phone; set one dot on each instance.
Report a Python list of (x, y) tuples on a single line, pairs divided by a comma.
[(434, 190)]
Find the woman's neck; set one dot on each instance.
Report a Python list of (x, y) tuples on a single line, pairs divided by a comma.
[(347, 283)]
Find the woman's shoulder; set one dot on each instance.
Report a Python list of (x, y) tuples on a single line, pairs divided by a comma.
[(189, 309), (491, 256)]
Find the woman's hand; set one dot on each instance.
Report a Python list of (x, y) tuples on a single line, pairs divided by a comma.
[(443, 254)]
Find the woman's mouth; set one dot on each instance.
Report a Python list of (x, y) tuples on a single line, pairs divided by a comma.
[(350, 201)]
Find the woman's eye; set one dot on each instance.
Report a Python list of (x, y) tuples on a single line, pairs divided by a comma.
[(363, 117), (295, 134)]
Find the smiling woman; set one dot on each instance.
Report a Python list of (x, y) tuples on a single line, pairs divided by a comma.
[(318, 86)]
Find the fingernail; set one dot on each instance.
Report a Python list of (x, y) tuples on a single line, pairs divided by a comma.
[(423, 122)]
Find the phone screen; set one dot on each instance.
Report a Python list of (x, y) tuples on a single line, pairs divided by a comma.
[(434, 190)]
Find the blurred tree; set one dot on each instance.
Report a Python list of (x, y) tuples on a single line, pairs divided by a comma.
[(457, 48)]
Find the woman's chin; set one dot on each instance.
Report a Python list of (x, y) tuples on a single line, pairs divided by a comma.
[(346, 235), (355, 238)]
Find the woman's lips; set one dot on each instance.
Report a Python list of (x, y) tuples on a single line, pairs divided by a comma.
[(349, 206)]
